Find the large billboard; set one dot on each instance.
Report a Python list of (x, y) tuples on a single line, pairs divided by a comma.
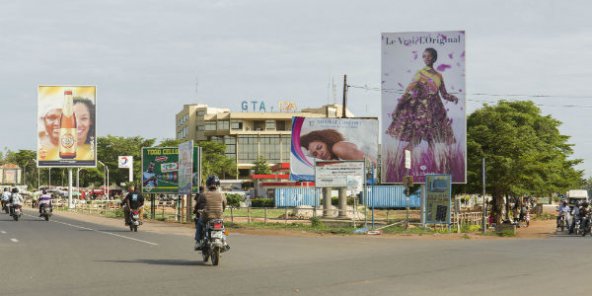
[(66, 126), (160, 170), (423, 105), (331, 139)]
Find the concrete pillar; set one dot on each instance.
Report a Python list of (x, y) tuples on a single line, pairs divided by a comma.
[(342, 202), (326, 202)]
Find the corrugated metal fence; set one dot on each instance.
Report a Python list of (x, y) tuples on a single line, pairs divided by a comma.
[(297, 196), (379, 196), (391, 196)]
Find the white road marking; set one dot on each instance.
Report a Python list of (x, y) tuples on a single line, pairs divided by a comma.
[(103, 232), (2, 231), (14, 240)]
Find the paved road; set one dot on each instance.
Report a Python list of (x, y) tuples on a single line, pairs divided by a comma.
[(70, 257)]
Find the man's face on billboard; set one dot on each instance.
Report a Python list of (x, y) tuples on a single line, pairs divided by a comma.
[(51, 121)]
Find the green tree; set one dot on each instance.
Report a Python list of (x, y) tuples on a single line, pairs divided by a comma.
[(27, 161), (524, 152), (170, 143), (215, 162), (261, 166), (109, 148)]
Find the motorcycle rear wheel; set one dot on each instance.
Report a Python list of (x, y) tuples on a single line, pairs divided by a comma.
[(46, 217), (216, 256)]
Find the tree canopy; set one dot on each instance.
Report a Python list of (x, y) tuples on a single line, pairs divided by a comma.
[(524, 151)]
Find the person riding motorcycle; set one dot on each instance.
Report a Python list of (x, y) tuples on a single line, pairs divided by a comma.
[(563, 211), (575, 214), (16, 200), (211, 204), (584, 211), (133, 201), (5, 197), (45, 201)]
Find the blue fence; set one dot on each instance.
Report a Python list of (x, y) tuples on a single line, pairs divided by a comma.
[(297, 196), (391, 196)]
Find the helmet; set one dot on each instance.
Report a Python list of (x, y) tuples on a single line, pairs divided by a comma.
[(212, 181), (585, 204)]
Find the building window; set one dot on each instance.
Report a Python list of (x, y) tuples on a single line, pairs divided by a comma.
[(201, 112), (201, 127), (281, 125), (270, 125), (223, 125), (259, 125), (236, 125), (211, 126)]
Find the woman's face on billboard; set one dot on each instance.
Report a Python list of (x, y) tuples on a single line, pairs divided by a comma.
[(83, 121), (319, 150), (428, 59)]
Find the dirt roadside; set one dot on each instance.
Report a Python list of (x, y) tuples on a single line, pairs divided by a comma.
[(538, 229)]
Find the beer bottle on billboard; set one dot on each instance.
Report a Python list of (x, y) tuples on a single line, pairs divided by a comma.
[(68, 136)]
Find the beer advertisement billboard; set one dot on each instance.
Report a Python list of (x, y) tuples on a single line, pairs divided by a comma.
[(323, 139), (66, 126), (160, 170), (423, 105)]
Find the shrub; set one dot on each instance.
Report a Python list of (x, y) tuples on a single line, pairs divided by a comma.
[(262, 202), (335, 201), (316, 222), (233, 199)]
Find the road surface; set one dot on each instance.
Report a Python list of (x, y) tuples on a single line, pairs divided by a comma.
[(71, 257)]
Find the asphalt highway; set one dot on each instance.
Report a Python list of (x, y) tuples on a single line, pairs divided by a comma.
[(70, 257)]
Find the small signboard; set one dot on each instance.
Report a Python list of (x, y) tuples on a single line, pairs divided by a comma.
[(338, 173), (438, 202)]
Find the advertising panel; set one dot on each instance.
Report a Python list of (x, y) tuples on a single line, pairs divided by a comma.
[(160, 170), (438, 199), (423, 105), (323, 139), (66, 126), (336, 174), (185, 167)]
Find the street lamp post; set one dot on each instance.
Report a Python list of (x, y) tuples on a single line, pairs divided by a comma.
[(105, 177)]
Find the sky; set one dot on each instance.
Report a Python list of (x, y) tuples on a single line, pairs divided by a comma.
[(149, 58)]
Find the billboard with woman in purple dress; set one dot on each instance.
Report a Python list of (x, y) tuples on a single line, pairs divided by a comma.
[(423, 105)]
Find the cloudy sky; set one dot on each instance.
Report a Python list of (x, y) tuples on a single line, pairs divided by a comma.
[(146, 56)]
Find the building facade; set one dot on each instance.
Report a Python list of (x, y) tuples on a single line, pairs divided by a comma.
[(246, 135)]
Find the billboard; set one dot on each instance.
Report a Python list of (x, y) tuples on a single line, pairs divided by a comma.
[(185, 167), (337, 173), (438, 199), (423, 105), (66, 126), (321, 139), (160, 170)]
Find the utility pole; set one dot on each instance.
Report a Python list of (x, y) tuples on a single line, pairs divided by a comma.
[(484, 224), (345, 87)]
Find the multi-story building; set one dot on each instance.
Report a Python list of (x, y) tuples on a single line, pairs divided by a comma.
[(246, 135)]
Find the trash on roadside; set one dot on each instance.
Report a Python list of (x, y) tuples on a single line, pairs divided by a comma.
[(360, 230), (374, 232)]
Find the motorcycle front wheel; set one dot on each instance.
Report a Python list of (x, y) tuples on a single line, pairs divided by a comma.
[(15, 216)]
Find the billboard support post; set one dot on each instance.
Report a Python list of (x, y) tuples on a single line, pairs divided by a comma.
[(70, 204)]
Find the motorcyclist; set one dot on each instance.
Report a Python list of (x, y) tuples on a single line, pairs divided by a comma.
[(16, 200), (45, 201), (133, 201), (5, 197), (563, 211), (212, 203), (584, 211), (575, 214)]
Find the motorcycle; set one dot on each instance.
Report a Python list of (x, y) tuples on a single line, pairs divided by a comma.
[(215, 241), (585, 225), (134, 220), (46, 212), (16, 212), (562, 222)]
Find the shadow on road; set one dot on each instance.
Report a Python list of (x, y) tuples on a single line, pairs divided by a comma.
[(171, 262)]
